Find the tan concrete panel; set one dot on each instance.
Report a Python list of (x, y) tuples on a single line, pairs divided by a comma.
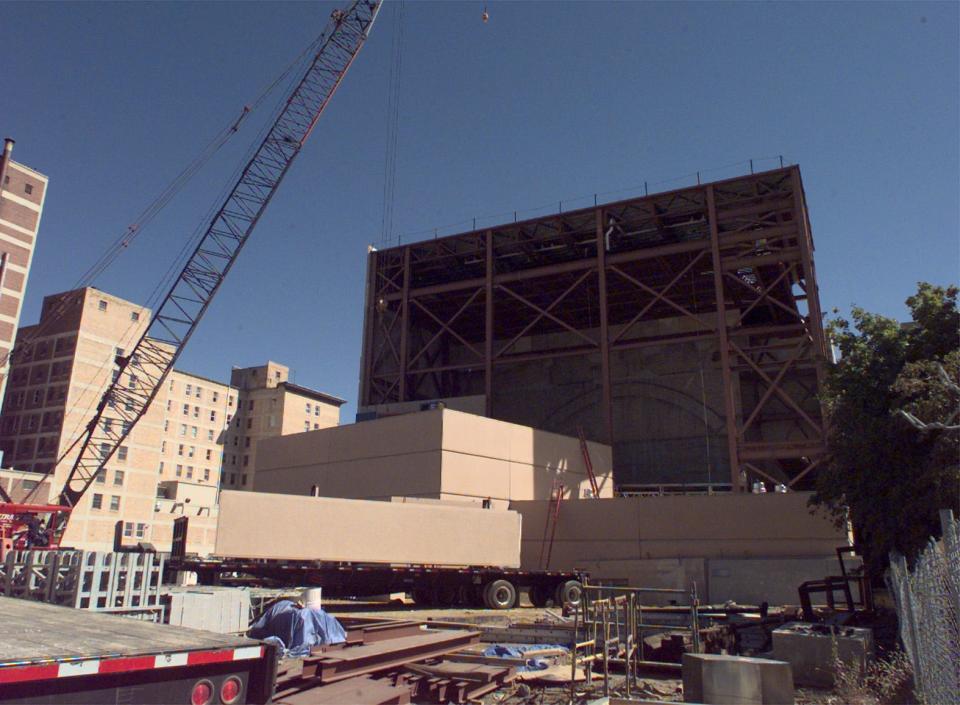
[(475, 476), (396, 435), (261, 525), (417, 474)]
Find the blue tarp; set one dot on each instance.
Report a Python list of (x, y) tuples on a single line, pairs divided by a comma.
[(518, 651), (298, 630)]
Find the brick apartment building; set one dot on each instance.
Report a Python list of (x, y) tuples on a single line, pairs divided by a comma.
[(197, 435), (22, 193)]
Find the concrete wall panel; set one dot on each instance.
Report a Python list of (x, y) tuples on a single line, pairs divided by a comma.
[(276, 526)]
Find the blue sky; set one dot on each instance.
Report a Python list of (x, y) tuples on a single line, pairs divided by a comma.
[(545, 102)]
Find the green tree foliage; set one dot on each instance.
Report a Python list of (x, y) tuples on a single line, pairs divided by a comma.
[(886, 468)]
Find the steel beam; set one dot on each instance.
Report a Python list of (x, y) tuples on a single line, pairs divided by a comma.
[(728, 399)]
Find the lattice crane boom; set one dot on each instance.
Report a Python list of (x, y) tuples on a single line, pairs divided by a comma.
[(144, 370)]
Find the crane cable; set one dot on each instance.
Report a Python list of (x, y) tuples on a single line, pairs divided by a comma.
[(393, 120), (122, 242)]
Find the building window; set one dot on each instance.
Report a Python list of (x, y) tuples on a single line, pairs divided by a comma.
[(128, 529), (97, 502), (307, 406), (249, 423), (169, 404), (141, 530), (161, 467), (193, 431), (171, 385), (306, 425), (209, 434), (132, 384), (213, 415), (246, 442), (122, 453), (179, 470), (118, 477), (246, 460), (206, 473), (104, 451), (196, 412), (163, 446), (316, 427), (189, 472), (209, 454), (183, 429), (189, 390), (101, 476), (236, 439), (230, 400), (273, 421), (180, 449), (128, 405), (243, 479), (199, 392), (216, 396), (102, 305), (316, 410), (114, 503), (134, 315), (191, 451), (250, 406), (125, 426), (166, 426), (28, 188), (107, 425), (186, 409)]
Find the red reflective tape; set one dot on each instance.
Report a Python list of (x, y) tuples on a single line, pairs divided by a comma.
[(195, 658), (18, 674), (122, 665)]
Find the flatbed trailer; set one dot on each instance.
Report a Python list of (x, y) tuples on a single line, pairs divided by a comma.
[(490, 586), (53, 654)]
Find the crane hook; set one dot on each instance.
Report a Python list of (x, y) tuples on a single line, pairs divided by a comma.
[(486, 15)]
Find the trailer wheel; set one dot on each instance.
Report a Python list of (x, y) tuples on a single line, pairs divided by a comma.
[(568, 593), (540, 595), (500, 595), (447, 595), (422, 597)]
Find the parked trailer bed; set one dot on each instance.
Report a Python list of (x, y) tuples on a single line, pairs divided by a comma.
[(490, 586), (59, 654)]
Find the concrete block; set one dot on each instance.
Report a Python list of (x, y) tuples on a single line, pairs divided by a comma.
[(276, 526), (736, 680), (811, 648)]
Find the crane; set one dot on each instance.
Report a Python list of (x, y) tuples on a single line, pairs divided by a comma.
[(144, 369)]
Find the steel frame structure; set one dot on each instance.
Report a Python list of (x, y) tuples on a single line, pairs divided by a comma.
[(732, 261)]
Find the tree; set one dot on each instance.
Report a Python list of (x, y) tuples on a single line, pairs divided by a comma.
[(894, 457)]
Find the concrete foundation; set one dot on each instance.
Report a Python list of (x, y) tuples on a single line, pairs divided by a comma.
[(811, 651), (736, 680)]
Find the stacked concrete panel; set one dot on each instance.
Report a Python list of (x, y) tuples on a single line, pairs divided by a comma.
[(439, 454), (275, 526), (745, 547)]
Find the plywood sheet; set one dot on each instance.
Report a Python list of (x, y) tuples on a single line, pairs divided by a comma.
[(276, 526)]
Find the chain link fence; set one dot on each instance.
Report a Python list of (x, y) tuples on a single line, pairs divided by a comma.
[(928, 608)]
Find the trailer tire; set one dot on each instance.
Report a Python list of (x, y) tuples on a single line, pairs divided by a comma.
[(422, 597), (568, 593), (500, 595), (447, 595), (540, 595)]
